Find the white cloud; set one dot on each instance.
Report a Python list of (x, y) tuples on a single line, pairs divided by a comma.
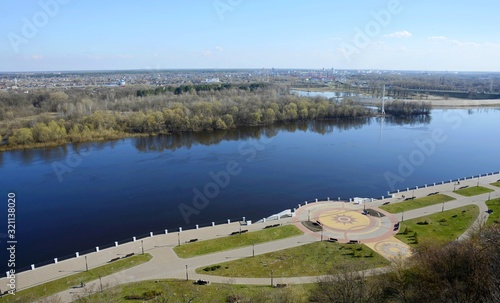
[(219, 49), (206, 52), (437, 38), (401, 34), (36, 57)]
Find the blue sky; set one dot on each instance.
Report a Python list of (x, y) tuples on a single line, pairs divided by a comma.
[(47, 35)]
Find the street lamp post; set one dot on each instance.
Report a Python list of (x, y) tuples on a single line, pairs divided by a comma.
[(413, 195), (142, 246), (100, 282), (179, 239), (187, 276), (253, 250), (309, 215), (402, 216), (478, 180), (272, 284), (442, 208), (86, 264)]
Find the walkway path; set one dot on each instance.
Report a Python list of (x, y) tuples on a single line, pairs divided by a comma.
[(166, 264)]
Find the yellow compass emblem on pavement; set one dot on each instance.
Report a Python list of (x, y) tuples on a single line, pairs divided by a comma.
[(344, 219)]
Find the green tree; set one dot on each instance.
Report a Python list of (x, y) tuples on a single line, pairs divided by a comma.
[(41, 133), (74, 134), (220, 124), (22, 136), (228, 120), (57, 132)]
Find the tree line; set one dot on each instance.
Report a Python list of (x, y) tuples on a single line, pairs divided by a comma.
[(57, 117)]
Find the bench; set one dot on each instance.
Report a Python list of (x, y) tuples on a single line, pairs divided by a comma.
[(129, 255), (114, 259), (464, 187), (201, 282), (272, 225), (332, 240), (386, 203), (192, 240), (353, 242), (396, 226), (280, 285)]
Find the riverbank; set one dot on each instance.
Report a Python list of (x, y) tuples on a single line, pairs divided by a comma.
[(439, 103), (165, 264), (436, 101)]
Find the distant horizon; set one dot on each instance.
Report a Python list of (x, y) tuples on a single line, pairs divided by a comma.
[(245, 68), (402, 35)]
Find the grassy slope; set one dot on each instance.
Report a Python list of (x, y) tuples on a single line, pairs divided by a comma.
[(316, 258), (493, 204), (473, 191), (235, 241), (417, 203), (443, 227), (62, 284)]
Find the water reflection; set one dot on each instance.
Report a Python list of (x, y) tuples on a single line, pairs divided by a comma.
[(188, 139)]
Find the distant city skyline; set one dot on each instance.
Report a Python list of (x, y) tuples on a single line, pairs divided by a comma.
[(71, 35)]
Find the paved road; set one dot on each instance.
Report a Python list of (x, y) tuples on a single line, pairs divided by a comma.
[(166, 264)]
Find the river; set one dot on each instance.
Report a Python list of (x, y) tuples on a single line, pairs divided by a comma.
[(74, 198)]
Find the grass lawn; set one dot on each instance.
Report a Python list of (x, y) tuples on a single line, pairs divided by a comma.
[(473, 191), (182, 291), (493, 204), (230, 242), (495, 184), (312, 259), (442, 227), (417, 203), (59, 285)]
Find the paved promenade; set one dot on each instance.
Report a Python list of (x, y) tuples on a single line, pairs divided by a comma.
[(166, 264)]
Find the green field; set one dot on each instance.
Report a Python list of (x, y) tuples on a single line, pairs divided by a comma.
[(312, 259), (497, 184), (65, 283), (183, 291), (493, 204), (442, 227), (417, 203), (235, 241), (473, 191)]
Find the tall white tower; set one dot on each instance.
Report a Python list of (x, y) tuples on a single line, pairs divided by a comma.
[(383, 99)]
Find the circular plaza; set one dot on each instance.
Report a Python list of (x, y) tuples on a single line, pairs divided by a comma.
[(346, 222)]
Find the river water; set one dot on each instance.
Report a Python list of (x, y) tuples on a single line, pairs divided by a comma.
[(70, 199)]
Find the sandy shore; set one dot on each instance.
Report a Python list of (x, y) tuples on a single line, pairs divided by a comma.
[(441, 103)]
